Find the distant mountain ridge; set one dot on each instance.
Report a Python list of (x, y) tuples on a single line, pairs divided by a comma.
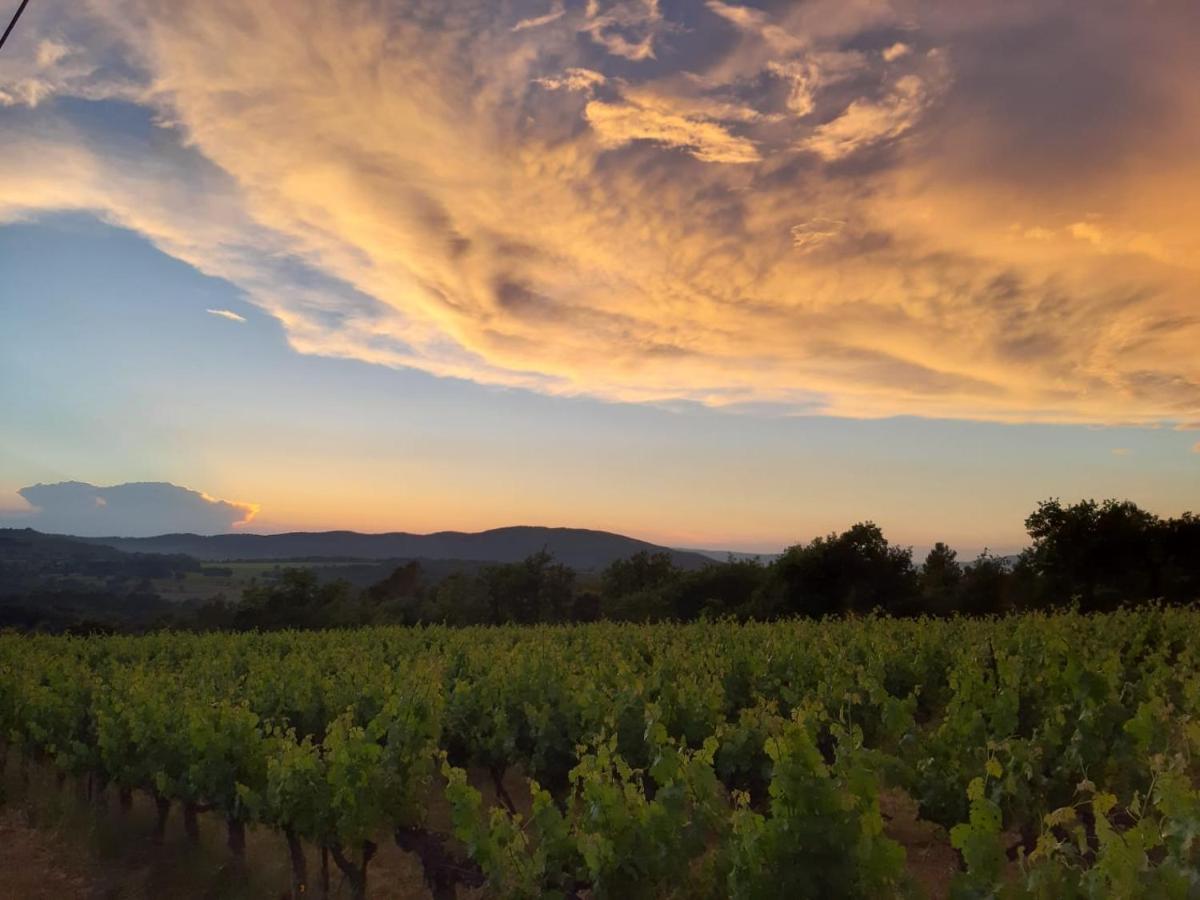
[(579, 548), (735, 555)]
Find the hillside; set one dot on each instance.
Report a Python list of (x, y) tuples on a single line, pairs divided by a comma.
[(51, 582), (28, 553), (578, 548)]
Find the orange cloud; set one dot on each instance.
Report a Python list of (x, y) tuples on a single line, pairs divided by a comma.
[(616, 124), (867, 122), (634, 216), (626, 28)]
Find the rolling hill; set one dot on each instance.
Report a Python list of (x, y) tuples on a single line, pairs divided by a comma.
[(578, 548)]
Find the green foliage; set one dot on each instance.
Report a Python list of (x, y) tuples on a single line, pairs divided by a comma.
[(823, 833), (534, 590), (296, 599), (856, 571), (226, 758), (980, 840), (1112, 553), (501, 843), (941, 580), (711, 759)]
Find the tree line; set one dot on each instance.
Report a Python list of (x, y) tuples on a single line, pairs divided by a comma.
[(1092, 556)]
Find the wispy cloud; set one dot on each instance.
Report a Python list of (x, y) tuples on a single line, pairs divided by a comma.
[(725, 208), (557, 11), (574, 79), (617, 124), (868, 122), (816, 233), (757, 23), (626, 28), (226, 314)]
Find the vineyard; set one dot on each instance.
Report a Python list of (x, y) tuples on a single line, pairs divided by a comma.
[(1061, 754)]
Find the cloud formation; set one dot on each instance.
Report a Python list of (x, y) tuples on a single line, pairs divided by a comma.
[(226, 314), (617, 124), (866, 122), (557, 11), (136, 509), (862, 208)]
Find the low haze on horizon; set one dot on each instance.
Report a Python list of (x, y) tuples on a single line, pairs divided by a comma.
[(708, 274)]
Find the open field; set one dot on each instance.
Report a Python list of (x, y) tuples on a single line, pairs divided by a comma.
[(1047, 756), (226, 580), (221, 580)]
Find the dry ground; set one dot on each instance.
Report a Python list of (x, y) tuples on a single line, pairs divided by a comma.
[(54, 845)]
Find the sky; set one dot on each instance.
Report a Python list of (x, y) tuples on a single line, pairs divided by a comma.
[(706, 273)]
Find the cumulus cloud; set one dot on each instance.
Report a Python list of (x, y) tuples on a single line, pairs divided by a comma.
[(226, 314), (736, 206), (136, 509)]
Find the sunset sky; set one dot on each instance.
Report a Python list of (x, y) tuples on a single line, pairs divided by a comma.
[(706, 273)]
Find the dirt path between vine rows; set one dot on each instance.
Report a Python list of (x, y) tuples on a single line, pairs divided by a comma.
[(932, 862), (36, 864), (45, 862)]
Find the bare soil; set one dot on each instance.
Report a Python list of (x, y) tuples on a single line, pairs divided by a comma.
[(54, 845), (932, 862), (39, 865)]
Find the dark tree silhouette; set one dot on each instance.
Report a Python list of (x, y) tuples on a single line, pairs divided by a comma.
[(1103, 553), (940, 578), (856, 571)]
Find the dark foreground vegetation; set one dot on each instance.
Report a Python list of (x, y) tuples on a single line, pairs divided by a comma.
[(1044, 756), (1089, 556)]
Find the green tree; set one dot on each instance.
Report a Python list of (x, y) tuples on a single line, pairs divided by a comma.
[(983, 590), (1180, 540), (537, 589), (856, 571), (718, 589), (297, 599), (459, 599), (940, 578), (1104, 553), (639, 588), (403, 583)]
